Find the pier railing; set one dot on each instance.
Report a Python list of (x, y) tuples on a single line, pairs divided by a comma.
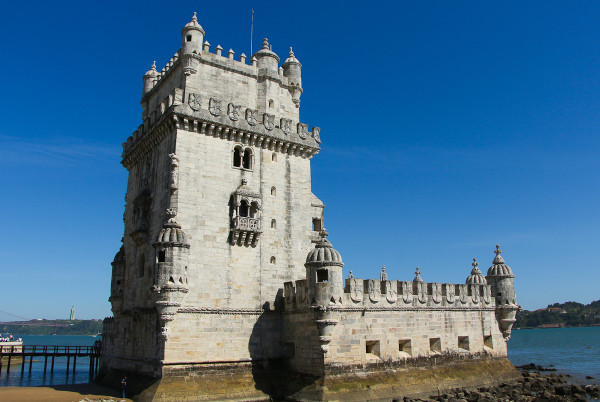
[(22, 352)]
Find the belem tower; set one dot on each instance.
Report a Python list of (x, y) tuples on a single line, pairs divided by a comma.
[(226, 287)]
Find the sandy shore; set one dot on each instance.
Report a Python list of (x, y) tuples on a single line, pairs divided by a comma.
[(59, 393)]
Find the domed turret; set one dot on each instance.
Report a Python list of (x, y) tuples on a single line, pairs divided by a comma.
[(192, 37), (502, 280), (266, 58), (292, 69), (324, 272), (476, 277), (150, 78)]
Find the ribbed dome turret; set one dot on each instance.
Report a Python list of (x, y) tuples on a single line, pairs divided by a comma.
[(499, 267), (171, 233), (291, 59), (476, 277), (324, 254), (152, 72), (120, 256), (266, 57)]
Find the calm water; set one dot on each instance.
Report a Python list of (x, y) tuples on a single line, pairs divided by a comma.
[(574, 351), (60, 376)]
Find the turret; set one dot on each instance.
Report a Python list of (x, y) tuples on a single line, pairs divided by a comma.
[(150, 78), (266, 58), (502, 280), (292, 69), (116, 285), (324, 273), (476, 277), (192, 36)]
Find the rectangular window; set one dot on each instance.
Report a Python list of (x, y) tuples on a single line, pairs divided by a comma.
[(404, 347), (435, 345), (372, 348), (322, 275), (463, 343), (317, 225), (488, 342)]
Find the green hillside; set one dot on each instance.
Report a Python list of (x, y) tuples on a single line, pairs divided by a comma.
[(569, 314), (75, 327)]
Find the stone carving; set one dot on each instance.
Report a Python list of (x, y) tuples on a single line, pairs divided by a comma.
[(356, 289), (436, 292), (475, 293), (383, 275), (391, 291), (174, 172), (317, 134), (374, 290), (450, 293), (252, 116), (286, 126), (288, 290), (269, 121), (214, 106), (407, 292), (486, 295), (233, 111), (194, 101), (422, 291), (463, 293), (303, 130)]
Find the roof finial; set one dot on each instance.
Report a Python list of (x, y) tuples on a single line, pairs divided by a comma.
[(498, 251), (265, 43), (418, 276), (383, 275), (323, 233), (244, 181), (350, 276), (475, 263), (291, 52), (194, 18), (154, 65)]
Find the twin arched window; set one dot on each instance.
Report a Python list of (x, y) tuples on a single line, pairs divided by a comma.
[(242, 157)]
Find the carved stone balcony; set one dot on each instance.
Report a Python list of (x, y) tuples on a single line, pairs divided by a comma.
[(245, 231)]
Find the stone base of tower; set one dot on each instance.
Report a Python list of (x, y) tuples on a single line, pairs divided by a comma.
[(272, 380)]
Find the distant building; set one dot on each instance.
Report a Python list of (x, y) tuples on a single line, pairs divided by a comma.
[(226, 285), (72, 317)]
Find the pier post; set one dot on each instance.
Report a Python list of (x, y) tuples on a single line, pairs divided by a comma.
[(74, 363), (8, 366), (30, 362), (52, 366), (45, 363), (23, 361), (68, 361)]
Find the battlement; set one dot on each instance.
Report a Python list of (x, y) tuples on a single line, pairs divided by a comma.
[(393, 294)]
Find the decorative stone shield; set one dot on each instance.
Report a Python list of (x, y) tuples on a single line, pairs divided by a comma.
[(475, 293), (463, 293), (391, 291), (450, 292), (214, 106), (356, 289), (233, 111), (288, 290), (407, 292), (486, 294), (317, 134), (269, 121), (303, 130), (374, 290), (286, 126), (194, 101), (252, 116), (436, 292), (422, 291)]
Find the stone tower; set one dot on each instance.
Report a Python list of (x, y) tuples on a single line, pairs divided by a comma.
[(219, 210)]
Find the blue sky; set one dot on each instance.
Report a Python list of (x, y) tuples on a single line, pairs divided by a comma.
[(447, 127)]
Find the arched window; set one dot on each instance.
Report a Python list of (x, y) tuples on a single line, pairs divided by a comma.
[(253, 209), (271, 103), (247, 161), (317, 225), (243, 208), (273, 260), (162, 257), (274, 157), (237, 157), (273, 191), (273, 224)]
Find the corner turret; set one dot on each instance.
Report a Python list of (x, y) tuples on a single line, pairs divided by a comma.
[(150, 78), (476, 277), (192, 36), (324, 273), (266, 58), (292, 69), (502, 280)]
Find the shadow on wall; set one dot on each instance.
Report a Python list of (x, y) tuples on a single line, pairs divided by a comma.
[(271, 355)]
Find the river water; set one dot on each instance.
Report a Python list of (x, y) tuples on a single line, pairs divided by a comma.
[(574, 351)]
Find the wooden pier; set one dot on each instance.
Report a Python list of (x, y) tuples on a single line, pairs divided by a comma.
[(8, 353)]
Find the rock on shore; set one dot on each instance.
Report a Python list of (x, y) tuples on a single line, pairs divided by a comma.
[(533, 387)]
